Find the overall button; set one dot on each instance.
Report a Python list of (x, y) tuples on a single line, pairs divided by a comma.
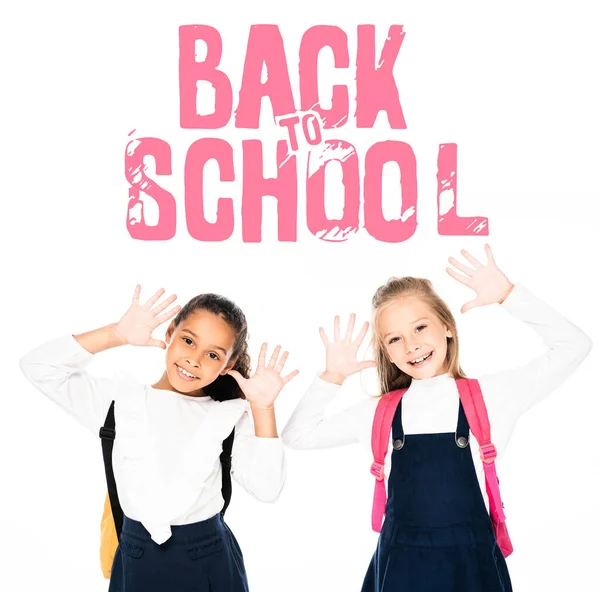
[(398, 444), (462, 442)]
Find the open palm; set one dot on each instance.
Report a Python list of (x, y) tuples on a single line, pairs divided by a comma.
[(266, 383), (341, 353), (486, 280), (138, 323)]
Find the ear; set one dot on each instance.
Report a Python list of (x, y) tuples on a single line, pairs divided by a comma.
[(227, 368), (169, 332)]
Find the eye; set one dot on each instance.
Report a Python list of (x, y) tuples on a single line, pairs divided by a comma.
[(188, 340), (213, 356), (421, 327), (393, 340)]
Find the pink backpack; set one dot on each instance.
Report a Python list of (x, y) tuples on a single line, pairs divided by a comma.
[(479, 423)]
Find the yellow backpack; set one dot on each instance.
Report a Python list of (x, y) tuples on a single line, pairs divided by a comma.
[(108, 539), (112, 517)]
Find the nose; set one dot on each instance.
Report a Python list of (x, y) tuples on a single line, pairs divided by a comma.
[(194, 363), (412, 345)]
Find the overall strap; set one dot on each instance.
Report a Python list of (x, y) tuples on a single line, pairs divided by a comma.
[(380, 439), (462, 427), (397, 427), (107, 434)]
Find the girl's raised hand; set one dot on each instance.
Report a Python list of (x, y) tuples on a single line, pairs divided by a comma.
[(264, 387), (138, 323), (489, 283), (341, 353)]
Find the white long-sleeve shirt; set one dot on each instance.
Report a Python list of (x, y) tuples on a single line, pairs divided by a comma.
[(166, 453), (431, 406)]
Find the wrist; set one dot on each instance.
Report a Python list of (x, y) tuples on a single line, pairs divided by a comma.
[(507, 293), (119, 339), (333, 377), (260, 407)]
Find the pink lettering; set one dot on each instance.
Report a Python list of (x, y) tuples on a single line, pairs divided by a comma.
[(199, 153), (265, 46), (449, 223), (313, 41), (284, 188), (135, 172), (375, 85), (390, 231), (191, 71)]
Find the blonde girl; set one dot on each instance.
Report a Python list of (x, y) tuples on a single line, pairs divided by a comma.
[(437, 535)]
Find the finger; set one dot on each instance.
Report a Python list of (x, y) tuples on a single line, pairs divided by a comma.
[(157, 343), (469, 305), (459, 277), (167, 315), (464, 268), (289, 377), (361, 336), (281, 362), (324, 337), (474, 262), (262, 355), (336, 328), (274, 357), (350, 328), (490, 256), (367, 364), (160, 307), (136, 295), (154, 298), (237, 376)]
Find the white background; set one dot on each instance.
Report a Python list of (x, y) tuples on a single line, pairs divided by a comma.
[(513, 84)]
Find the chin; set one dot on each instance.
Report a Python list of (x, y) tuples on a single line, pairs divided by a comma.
[(183, 386)]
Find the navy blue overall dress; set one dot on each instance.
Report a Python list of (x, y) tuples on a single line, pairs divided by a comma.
[(437, 535), (200, 557)]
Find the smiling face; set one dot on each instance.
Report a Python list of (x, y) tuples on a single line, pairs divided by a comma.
[(198, 351), (414, 338)]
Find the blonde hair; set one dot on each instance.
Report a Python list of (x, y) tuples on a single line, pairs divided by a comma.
[(390, 376)]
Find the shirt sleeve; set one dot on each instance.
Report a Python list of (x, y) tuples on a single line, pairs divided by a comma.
[(309, 426), (57, 369), (516, 390), (257, 464)]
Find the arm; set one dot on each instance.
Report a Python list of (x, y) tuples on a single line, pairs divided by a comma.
[(257, 458), (57, 368), (516, 390), (566, 347), (257, 463), (309, 427)]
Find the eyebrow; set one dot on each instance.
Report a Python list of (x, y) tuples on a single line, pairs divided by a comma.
[(211, 345), (413, 323)]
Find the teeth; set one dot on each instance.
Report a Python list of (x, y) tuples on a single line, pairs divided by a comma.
[(186, 373), (420, 359)]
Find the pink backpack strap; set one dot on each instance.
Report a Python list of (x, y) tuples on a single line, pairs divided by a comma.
[(479, 423), (380, 439)]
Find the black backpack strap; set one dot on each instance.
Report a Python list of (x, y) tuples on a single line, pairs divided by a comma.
[(108, 433), (226, 470)]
